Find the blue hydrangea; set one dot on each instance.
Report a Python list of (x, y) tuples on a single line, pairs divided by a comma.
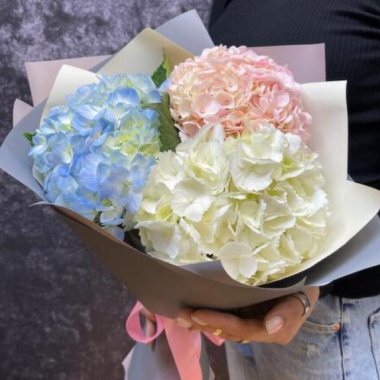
[(94, 153)]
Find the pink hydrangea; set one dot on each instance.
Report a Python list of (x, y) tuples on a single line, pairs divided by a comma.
[(235, 87)]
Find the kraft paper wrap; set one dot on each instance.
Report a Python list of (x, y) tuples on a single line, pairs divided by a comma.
[(165, 288)]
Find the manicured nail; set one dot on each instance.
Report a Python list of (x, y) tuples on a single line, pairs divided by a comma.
[(274, 324), (198, 321), (183, 323)]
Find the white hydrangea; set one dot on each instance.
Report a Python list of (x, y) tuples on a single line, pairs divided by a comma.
[(256, 202)]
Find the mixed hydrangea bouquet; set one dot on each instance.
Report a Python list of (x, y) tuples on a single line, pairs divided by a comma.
[(242, 187), (199, 177)]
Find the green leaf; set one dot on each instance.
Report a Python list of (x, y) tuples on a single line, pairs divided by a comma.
[(29, 137), (162, 72), (168, 132)]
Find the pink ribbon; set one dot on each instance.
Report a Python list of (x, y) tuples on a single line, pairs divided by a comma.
[(184, 344)]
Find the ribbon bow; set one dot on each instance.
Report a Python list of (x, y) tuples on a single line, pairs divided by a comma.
[(185, 345)]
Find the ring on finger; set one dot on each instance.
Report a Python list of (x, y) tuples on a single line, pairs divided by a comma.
[(217, 332), (304, 299)]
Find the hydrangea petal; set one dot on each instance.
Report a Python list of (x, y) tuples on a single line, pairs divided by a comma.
[(237, 260), (164, 236), (191, 200)]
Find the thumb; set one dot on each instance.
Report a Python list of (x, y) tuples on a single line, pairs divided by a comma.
[(286, 313), (289, 312)]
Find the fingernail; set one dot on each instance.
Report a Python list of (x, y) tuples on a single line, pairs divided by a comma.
[(183, 323), (197, 320), (274, 324)]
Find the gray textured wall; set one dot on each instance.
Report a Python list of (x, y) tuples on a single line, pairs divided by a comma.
[(61, 313)]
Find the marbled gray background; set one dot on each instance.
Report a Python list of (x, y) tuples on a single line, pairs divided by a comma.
[(61, 313)]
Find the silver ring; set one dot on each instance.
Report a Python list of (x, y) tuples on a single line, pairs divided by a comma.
[(304, 300)]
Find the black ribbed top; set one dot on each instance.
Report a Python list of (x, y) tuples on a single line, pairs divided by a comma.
[(351, 31)]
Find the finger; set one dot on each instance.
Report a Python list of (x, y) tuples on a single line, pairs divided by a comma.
[(150, 325), (184, 319), (150, 329), (149, 315), (220, 333), (230, 338), (288, 313), (239, 329)]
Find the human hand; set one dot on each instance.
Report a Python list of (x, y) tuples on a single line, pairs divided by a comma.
[(280, 323), (150, 322)]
